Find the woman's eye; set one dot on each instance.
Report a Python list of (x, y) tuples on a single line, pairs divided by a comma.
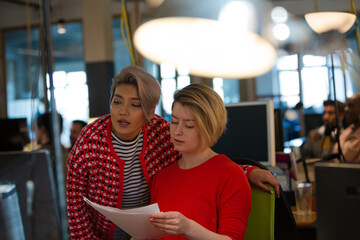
[(136, 105), (116, 102), (189, 126), (173, 122)]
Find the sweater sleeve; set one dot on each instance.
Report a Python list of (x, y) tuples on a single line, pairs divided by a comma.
[(234, 204), (78, 214), (248, 169)]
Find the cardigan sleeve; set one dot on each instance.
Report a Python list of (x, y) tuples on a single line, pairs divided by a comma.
[(79, 216), (248, 169)]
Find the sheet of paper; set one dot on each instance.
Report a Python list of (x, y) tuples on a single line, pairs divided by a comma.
[(133, 221)]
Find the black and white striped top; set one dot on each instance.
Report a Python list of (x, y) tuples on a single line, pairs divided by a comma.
[(135, 189)]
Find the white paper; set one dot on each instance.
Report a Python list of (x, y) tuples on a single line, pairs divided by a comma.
[(133, 221)]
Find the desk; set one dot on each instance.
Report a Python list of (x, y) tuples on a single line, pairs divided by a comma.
[(305, 230), (304, 221)]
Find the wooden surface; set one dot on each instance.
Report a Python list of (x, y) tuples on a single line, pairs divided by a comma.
[(304, 221)]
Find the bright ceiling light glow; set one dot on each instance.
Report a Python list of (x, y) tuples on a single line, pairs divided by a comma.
[(61, 27), (205, 47), (240, 15), (322, 22), (279, 14), (281, 31), (154, 3)]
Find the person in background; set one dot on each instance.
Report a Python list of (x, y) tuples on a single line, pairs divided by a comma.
[(75, 130), (350, 137), (116, 157), (320, 142), (44, 138), (197, 195), (43, 131)]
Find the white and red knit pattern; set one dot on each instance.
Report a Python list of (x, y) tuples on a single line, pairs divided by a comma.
[(95, 171)]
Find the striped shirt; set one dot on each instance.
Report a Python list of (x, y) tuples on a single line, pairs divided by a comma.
[(135, 189)]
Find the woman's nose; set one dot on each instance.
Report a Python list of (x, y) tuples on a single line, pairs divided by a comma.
[(178, 129), (124, 110)]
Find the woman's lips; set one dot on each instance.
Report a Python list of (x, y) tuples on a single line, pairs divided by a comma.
[(178, 141), (123, 123)]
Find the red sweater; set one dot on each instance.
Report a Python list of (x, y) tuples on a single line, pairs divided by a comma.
[(215, 194), (96, 172)]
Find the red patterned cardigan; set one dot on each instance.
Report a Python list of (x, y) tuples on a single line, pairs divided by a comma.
[(96, 172)]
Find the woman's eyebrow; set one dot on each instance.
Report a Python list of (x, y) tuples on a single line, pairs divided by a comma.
[(187, 120), (133, 98)]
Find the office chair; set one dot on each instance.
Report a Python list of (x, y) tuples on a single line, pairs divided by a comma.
[(285, 225), (262, 215)]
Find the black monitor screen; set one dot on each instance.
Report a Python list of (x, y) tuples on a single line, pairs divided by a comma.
[(249, 133), (14, 134), (337, 193), (279, 131)]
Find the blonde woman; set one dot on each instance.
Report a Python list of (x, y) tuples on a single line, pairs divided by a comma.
[(204, 195)]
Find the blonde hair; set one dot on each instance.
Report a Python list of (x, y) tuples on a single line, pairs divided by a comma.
[(208, 109), (147, 86)]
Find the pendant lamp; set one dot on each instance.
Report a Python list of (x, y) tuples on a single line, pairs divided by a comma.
[(193, 34), (322, 22)]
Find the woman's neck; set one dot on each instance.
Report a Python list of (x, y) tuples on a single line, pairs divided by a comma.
[(191, 160)]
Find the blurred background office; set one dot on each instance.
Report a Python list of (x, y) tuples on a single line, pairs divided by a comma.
[(92, 42), (89, 50)]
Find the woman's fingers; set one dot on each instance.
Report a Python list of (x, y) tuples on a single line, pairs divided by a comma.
[(169, 222), (165, 218)]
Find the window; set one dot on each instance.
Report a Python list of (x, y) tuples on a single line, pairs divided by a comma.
[(22, 72), (171, 80), (289, 88), (228, 89), (122, 57), (316, 84), (28, 93), (71, 94), (312, 84)]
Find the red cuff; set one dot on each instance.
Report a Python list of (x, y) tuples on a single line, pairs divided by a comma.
[(248, 169)]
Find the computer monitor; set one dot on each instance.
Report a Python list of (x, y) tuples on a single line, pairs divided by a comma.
[(337, 201), (40, 212), (14, 134), (279, 130), (250, 132)]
